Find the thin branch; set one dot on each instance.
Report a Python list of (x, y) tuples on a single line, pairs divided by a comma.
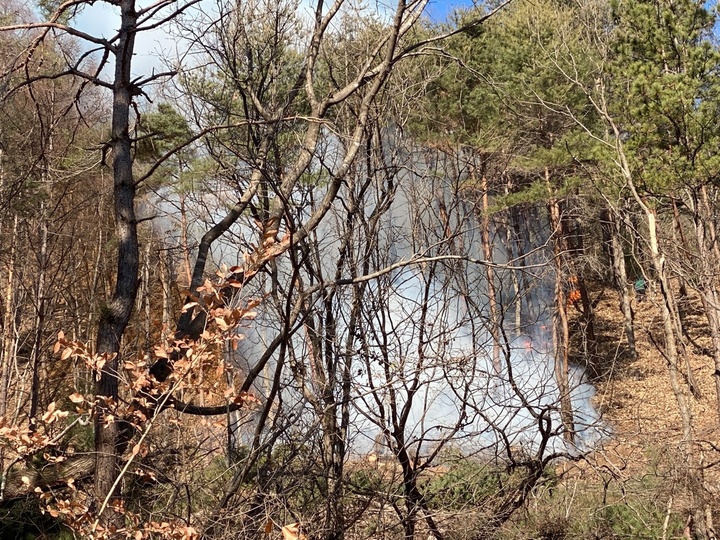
[(150, 11), (57, 26), (155, 76), (418, 260)]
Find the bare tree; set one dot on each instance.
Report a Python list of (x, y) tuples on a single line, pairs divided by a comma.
[(283, 101)]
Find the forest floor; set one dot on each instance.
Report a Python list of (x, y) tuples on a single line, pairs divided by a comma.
[(639, 410), (634, 396)]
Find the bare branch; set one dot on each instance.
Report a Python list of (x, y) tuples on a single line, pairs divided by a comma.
[(62, 27)]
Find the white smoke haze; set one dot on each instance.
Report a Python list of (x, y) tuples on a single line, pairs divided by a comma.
[(460, 392), (427, 353), (429, 349)]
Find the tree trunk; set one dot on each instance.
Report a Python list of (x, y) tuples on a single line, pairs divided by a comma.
[(525, 290), (511, 242), (677, 229), (490, 274), (39, 326), (9, 339), (560, 328), (146, 296), (116, 314), (668, 319), (515, 280), (708, 261), (617, 253), (166, 283), (184, 239), (576, 248)]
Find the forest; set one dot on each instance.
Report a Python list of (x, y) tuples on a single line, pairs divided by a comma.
[(311, 270)]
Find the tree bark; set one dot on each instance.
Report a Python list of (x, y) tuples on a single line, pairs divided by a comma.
[(677, 229), (708, 261), (39, 326), (9, 340), (490, 274), (576, 248), (560, 328), (668, 319), (529, 316), (116, 314), (617, 253)]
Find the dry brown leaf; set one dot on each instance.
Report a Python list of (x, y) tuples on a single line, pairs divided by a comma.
[(221, 323), (50, 410), (292, 532)]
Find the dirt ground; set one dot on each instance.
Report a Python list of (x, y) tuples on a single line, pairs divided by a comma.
[(634, 396)]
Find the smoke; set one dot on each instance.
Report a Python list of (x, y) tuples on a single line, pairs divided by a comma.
[(446, 377), (425, 361)]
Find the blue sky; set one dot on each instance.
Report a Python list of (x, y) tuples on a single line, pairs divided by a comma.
[(438, 10)]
